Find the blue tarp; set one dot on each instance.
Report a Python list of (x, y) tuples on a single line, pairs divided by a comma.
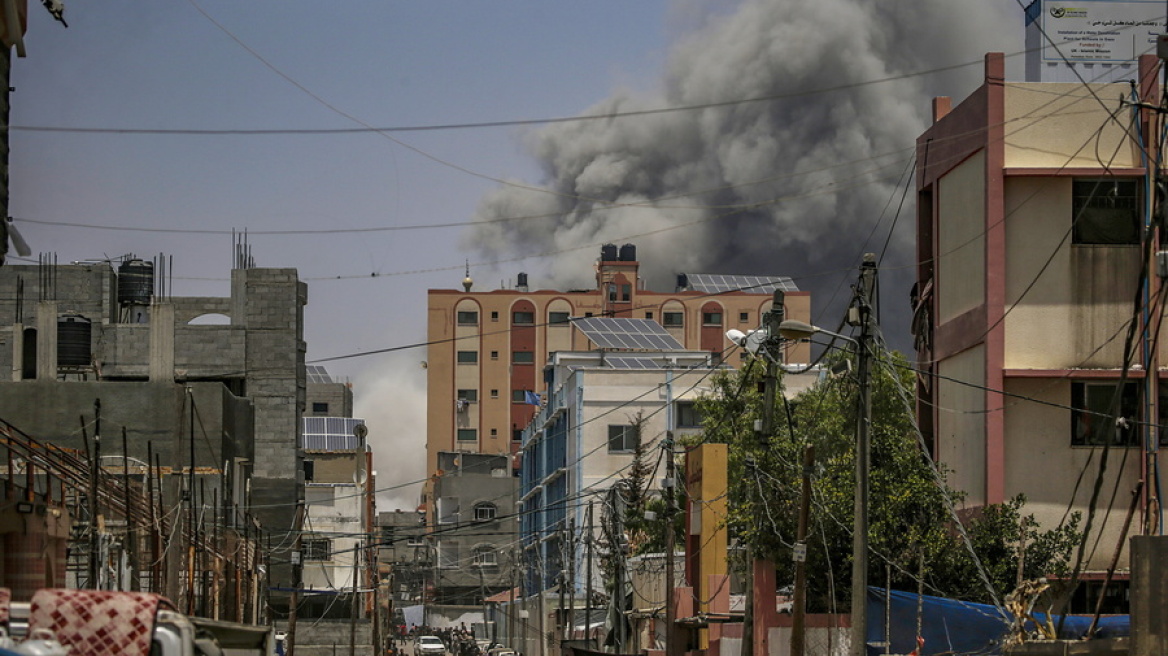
[(950, 626)]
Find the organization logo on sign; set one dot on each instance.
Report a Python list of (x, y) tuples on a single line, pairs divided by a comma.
[(1067, 12)]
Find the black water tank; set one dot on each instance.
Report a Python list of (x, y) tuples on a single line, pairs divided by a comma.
[(608, 253), (135, 282), (628, 253), (682, 282), (523, 280), (74, 339)]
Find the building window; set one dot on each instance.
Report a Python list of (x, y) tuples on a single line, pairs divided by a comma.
[(468, 318), (468, 395), (673, 319), (519, 396), (711, 318), (687, 415), (1091, 421), (1106, 211), (523, 357), (523, 318), (494, 432), (484, 512), (517, 435), (467, 435), (622, 439), (319, 408), (484, 556), (612, 292), (494, 355), (626, 293), (494, 316), (587, 314), (468, 357), (743, 317), (315, 549), (494, 394), (309, 471), (557, 318)]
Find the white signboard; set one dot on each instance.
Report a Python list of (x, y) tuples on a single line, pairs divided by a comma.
[(1102, 31)]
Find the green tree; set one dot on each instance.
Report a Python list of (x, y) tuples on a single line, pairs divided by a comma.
[(911, 531)]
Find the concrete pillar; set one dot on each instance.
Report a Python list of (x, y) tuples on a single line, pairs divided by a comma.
[(17, 351), (1149, 595), (46, 322), (161, 343)]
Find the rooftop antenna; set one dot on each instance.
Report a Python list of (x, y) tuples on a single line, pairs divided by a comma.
[(467, 282)]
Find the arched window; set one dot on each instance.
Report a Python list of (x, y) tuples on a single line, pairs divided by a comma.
[(484, 512), (485, 556)]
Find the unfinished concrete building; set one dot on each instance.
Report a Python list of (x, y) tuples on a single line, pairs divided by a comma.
[(216, 383)]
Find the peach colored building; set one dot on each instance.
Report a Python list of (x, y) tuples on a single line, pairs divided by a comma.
[(1032, 199), (487, 349)]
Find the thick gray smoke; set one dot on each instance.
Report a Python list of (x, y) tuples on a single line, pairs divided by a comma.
[(793, 186)]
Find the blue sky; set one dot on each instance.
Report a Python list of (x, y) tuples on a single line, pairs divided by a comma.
[(168, 65)]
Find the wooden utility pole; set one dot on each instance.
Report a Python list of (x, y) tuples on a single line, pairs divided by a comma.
[(131, 525), (799, 603), (94, 508), (588, 573), (297, 560)]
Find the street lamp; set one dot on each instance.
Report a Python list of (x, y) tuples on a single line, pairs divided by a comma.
[(792, 329)]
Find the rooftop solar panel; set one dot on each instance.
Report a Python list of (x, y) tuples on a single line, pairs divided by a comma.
[(714, 283), (315, 373), (613, 333)]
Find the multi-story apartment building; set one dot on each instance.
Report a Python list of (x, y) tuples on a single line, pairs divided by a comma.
[(487, 349), (1033, 203), (474, 539), (603, 409), (336, 548)]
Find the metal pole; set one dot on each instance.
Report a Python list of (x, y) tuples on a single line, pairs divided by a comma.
[(799, 603), (863, 447)]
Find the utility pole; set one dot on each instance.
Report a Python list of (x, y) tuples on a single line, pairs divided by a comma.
[(190, 499), (297, 569), (799, 603), (771, 353), (670, 546), (863, 316), (588, 574), (571, 578), (94, 509)]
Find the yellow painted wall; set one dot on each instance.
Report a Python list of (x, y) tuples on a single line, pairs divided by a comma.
[(961, 421), (961, 239), (1042, 464), (1064, 125)]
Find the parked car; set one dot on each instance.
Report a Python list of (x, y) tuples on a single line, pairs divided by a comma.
[(429, 646)]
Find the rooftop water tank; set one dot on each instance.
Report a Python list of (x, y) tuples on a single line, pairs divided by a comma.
[(608, 253), (135, 282), (628, 253), (74, 341)]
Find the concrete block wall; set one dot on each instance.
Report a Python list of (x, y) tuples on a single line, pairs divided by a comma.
[(269, 304), (201, 351), (123, 350)]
